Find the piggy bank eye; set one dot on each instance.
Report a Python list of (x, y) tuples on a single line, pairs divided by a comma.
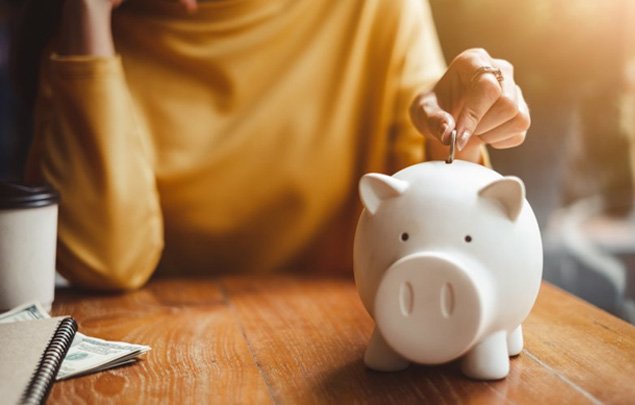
[(468, 238), (404, 236)]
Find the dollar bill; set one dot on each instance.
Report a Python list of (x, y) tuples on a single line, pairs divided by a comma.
[(26, 312), (86, 354)]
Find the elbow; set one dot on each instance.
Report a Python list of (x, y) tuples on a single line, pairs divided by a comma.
[(115, 247), (114, 271)]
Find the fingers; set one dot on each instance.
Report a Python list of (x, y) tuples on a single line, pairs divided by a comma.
[(478, 101), (474, 100), (189, 5), (513, 131), (481, 92), (493, 108), (430, 119), (507, 105)]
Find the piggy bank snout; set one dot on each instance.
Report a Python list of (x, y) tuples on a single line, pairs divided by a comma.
[(429, 308)]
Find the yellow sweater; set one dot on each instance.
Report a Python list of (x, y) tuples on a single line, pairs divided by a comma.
[(231, 139)]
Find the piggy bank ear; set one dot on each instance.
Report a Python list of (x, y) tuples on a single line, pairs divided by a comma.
[(374, 188), (509, 192)]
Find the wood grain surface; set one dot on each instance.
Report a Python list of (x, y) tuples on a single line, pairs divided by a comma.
[(285, 339)]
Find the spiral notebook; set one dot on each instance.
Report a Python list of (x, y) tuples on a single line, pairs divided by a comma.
[(30, 356)]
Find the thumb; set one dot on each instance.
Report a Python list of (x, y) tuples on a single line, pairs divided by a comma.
[(430, 119)]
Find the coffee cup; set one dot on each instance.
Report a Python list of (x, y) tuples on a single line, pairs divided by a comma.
[(28, 236)]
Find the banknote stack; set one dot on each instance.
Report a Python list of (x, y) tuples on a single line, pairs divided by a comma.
[(86, 354)]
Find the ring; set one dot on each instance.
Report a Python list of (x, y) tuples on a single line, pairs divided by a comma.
[(488, 69)]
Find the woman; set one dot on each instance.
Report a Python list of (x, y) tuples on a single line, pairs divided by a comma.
[(230, 135)]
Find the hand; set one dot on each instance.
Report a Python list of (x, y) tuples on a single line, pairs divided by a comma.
[(474, 104)]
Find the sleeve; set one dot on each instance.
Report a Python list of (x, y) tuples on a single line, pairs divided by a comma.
[(419, 65), (88, 145)]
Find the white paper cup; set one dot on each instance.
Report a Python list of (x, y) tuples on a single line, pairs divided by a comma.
[(28, 236)]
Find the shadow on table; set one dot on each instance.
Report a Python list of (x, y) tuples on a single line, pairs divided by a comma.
[(353, 382)]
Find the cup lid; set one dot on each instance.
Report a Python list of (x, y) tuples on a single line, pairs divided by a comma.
[(17, 195)]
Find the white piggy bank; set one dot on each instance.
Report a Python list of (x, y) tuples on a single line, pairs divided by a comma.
[(448, 261)]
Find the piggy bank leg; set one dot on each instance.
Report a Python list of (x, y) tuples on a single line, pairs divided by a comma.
[(379, 356), (489, 359), (515, 341)]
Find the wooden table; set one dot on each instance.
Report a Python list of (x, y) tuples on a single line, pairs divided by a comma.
[(285, 339)]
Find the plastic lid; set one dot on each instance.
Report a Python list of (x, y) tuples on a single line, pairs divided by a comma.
[(16, 195)]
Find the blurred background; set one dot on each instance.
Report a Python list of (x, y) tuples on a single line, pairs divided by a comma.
[(575, 61)]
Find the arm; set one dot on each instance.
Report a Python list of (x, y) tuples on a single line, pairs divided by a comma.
[(89, 146), (85, 28)]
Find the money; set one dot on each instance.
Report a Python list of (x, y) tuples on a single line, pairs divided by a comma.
[(86, 354)]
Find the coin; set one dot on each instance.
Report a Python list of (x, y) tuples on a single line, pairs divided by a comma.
[(450, 158)]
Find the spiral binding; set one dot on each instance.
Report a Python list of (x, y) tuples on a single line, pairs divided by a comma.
[(42, 380)]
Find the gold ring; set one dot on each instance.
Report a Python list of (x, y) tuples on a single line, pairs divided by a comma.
[(488, 69)]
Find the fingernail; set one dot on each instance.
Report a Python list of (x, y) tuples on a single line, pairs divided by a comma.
[(462, 141), (444, 134)]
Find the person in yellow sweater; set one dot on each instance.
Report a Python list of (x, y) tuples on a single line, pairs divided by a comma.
[(229, 135)]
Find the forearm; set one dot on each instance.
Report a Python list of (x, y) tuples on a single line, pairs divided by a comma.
[(89, 146), (86, 28)]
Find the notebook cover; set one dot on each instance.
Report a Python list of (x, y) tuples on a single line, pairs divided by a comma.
[(30, 355)]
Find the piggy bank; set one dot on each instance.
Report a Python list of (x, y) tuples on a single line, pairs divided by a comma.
[(448, 262)]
